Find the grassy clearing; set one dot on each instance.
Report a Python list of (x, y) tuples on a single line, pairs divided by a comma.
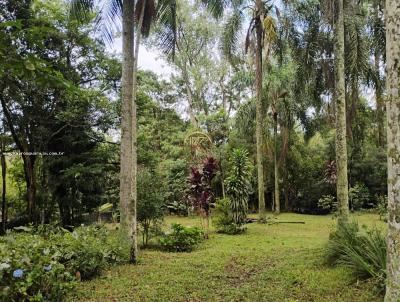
[(280, 262)]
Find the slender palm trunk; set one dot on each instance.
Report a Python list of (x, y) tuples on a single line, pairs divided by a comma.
[(341, 144), (378, 91), (134, 248), (3, 194), (276, 168), (393, 141), (30, 178), (128, 223), (259, 115), (379, 106), (192, 116)]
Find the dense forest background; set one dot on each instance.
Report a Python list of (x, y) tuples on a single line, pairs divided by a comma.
[(60, 108)]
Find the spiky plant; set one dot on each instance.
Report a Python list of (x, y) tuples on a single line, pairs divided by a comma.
[(363, 251), (238, 184)]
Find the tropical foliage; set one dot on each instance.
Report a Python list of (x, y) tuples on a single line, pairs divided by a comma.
[(251, 107), (238, 185)]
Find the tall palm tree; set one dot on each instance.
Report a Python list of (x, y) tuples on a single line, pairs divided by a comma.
[(393, 134), (139, 14), (377, 35), (260, 35), (341, 144)]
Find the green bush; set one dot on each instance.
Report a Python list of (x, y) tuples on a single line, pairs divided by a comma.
[(364, 252), (150, 208), (30, 270), (359, 197), (181, 239), (42, 264), (328, 203), (224, 221)]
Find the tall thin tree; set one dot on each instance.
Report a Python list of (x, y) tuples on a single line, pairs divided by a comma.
[(393, 140), (139, 14), (340, 100)]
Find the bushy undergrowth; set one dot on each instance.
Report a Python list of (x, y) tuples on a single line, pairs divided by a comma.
[(181, 238), (224, 221), (363, 251), (43, 264)]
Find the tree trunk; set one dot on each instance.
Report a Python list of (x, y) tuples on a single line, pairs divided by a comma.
[(30, 179), (393, 141), (259, 113), (192, 116), (378, 88), (286, 191), (133, 206), (3, 193), (276, 168), (128, 224), (222, 175), (341, 144)]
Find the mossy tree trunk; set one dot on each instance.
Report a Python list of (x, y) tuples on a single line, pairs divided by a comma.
[(128, 122), (393, 140), (341, 144), (259, 112)]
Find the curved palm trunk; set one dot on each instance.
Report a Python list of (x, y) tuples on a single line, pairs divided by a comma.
[(393, 140), (259, 117), (127, 195), (341, 144)]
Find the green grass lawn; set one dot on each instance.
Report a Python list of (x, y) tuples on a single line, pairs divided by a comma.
[(279, 262)]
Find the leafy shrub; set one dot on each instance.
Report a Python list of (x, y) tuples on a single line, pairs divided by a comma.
[(382, 207), (150, 211), (41, 264), (328, 203), (224, 221), (199, 193), (178, 207), (30, 271), (181, 239), (358, 196), (364, 252)]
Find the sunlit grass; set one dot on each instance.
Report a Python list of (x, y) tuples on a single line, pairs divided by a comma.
[(270, 262)]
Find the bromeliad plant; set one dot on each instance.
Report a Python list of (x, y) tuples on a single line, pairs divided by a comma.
[(199, 194)]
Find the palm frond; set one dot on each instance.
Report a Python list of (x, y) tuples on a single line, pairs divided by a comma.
[(230, 36), (107, 17), (81, 9), (166, 18), (249, 33), (245, 117), (216, 7)]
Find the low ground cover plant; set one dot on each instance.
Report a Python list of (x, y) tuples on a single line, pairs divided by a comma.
[(43, 264), (181, 238)]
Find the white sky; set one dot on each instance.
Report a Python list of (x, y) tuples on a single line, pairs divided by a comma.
[(148, 59)]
